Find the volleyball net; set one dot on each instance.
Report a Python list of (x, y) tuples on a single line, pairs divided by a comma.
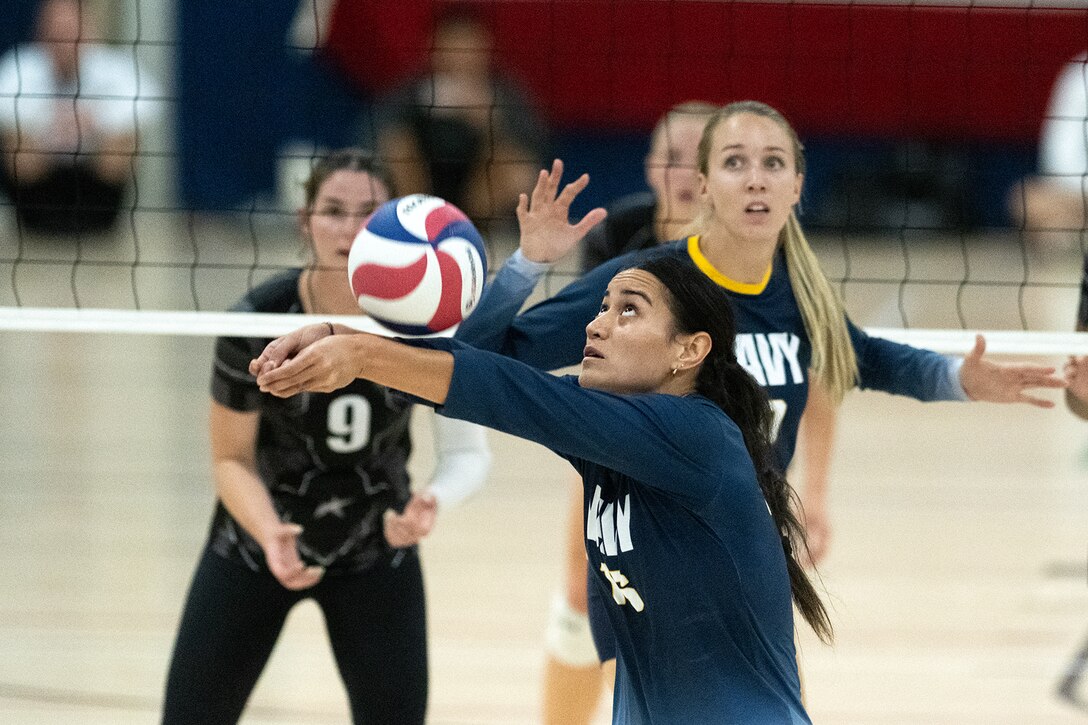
[(925, 126)]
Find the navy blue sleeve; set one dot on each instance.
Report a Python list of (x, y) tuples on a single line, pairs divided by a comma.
[(904, 370), (549, 335), (669, 442)]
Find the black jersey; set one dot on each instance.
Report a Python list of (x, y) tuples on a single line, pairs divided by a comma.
[(333, 462)]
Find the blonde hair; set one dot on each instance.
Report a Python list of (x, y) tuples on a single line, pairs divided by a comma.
[(833, 359)]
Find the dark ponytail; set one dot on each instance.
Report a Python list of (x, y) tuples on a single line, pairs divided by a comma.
[(699, 305)]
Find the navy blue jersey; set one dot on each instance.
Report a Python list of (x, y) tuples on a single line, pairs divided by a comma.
[(772, 343), (679, 537), (333, 462)]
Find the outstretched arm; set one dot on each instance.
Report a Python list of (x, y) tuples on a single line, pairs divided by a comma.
[(925, 375), (328, 362), (663, 438)]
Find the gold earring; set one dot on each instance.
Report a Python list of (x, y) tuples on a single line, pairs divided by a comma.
[(674, 371)]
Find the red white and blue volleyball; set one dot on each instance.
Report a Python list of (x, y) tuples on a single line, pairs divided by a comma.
[(418, 266)]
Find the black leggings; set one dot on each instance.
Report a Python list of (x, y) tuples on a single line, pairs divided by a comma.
[(375, 619)]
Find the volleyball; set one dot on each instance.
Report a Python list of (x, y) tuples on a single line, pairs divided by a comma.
[(418, 266)]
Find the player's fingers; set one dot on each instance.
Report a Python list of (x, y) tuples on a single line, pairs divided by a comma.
[(551, 183), (1037, 402), (290, 373), (259, 362), (305, 578), (1043, 380), (1036, 369), (540, 190), (420, 502), (555, 177), (269, 375), (979, 349), (280, 386), (572, 190), (392, 521), (415, 520), (589, 221), (396, 533), (278, 350), (523, 207), (285, 570), (297, 383)]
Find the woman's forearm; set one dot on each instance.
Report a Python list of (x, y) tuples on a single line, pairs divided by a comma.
[(313, 360), (817, 437), (245, 498), (421, 372)]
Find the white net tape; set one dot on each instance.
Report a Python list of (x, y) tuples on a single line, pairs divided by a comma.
[(237, 324)]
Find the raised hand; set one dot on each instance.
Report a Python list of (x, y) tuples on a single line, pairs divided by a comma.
[(544, 217), (1005, 382), (281, 554), (408, 528)]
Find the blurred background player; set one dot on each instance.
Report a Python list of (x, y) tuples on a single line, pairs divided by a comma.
[(645, 219), (314, 500), (462, 131), (1051, 205), (1076, 397), (70, 109)]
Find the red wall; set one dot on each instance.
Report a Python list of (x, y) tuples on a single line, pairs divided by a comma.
[(835, 70)]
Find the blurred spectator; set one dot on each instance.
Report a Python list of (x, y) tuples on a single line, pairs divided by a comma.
[(68, 117), (646, 219), (462, 131), (1054, 200)]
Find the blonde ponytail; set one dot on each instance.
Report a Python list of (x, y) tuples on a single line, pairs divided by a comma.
[(833, 358)]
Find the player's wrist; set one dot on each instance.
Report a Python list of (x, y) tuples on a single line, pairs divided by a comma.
[(372, 354), (527, 267)]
